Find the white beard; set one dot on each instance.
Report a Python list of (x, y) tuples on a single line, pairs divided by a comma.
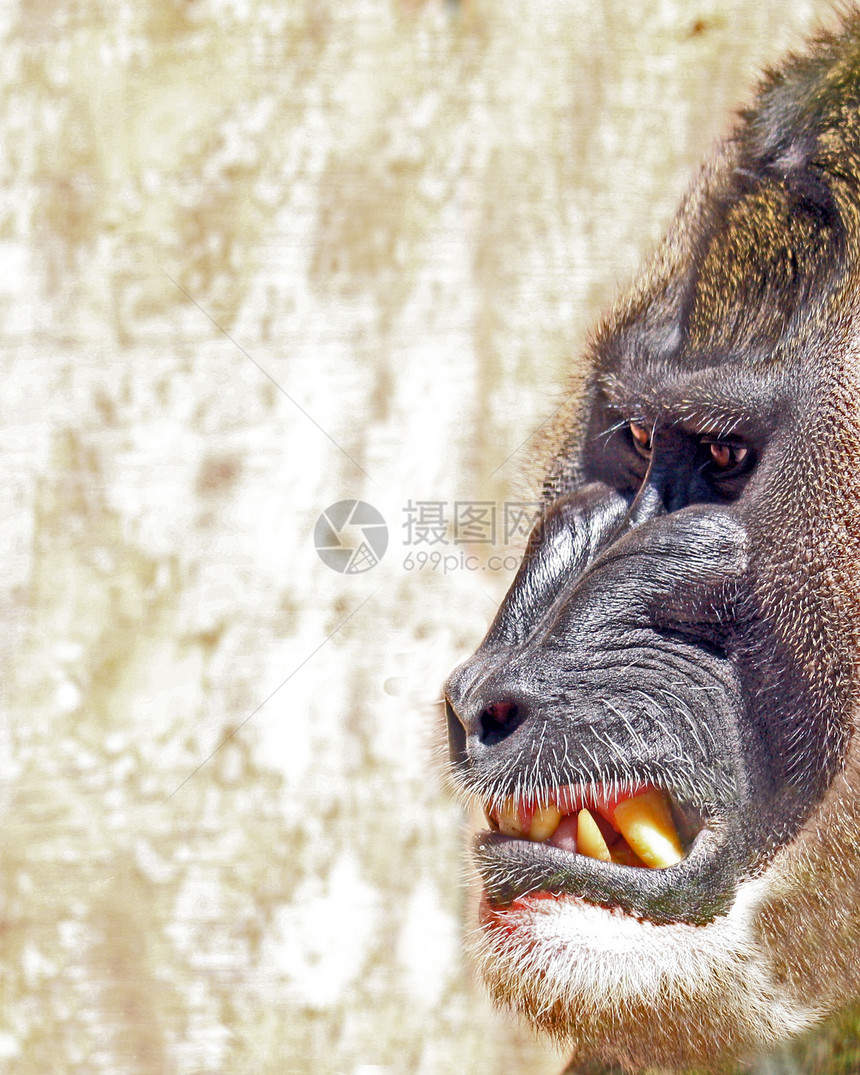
[(616, 989)]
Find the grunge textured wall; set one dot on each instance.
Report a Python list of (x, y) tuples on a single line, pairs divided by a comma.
[(260, 256)]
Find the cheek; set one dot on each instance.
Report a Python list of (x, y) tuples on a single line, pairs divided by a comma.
[(810, 925)]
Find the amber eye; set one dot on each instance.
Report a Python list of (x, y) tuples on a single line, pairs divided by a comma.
[(641, 438), (727, 456)]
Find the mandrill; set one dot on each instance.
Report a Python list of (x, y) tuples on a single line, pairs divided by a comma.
[(661, 724)]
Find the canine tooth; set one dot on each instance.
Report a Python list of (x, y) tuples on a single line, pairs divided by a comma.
[(545, 821), (646, 824), (510, 823), (589, 839)]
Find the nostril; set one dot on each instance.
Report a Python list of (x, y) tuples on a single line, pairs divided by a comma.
[(498, 720), (456, 735)]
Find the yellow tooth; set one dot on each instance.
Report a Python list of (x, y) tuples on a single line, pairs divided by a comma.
[(544, 822), (646, 824), (589, 839), (509, 820)]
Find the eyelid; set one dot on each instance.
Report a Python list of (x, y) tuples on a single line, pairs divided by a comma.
[(724, 442)]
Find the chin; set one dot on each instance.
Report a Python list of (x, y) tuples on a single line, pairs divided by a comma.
[(616, 989)]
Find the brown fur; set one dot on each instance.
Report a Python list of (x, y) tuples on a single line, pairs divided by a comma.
[(772, 227)]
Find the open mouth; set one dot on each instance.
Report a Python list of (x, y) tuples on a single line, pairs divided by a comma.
[(641, 852), (638, 829)]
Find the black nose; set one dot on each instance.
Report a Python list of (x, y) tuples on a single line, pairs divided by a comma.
[(481, 715)]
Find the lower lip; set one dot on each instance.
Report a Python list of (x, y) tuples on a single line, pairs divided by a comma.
[(694, 891)]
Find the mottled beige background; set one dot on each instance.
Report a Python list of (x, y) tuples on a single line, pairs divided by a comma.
[(259, 256)]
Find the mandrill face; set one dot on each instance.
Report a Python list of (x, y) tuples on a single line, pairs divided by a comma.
[(659, 723)]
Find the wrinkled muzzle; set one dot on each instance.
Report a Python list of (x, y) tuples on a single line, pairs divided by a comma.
[(598, 721)]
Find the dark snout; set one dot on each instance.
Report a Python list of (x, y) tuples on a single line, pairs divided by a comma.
[(598, 604), (492, 694), (612, 665)]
